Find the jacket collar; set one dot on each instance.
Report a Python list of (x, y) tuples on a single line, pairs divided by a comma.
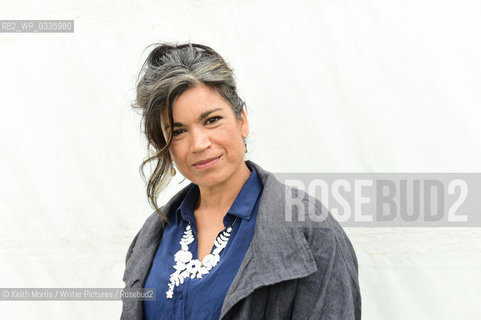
[(277, 252)]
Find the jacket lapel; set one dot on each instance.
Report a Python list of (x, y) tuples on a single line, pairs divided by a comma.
[(277, 252)]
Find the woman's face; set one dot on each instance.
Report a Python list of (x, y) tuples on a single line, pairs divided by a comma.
[(207, 146)]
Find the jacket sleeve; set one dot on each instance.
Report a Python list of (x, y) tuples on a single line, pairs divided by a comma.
[(332, 292), (342, 298), (129, 253)]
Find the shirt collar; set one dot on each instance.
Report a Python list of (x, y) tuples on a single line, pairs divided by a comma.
[(242, 206)]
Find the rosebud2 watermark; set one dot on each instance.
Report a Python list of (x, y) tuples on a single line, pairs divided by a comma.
[(384, 199)]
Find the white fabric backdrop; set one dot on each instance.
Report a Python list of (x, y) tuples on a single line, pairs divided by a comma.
[(331, 86)]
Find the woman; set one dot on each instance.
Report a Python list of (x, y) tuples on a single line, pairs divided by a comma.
[(222, 248)]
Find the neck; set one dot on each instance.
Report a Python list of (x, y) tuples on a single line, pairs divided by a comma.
[(216, 200)]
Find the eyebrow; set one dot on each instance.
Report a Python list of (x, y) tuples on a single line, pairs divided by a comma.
[(202, 116)]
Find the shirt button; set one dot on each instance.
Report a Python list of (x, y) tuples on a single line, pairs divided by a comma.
[(180, 295)]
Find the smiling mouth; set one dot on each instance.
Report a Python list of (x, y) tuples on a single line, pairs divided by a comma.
[(202, 162)]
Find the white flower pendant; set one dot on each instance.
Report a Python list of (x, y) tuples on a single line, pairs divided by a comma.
[(187, 267)]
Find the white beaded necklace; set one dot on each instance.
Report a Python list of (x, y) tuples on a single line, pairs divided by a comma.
[(187, 267)]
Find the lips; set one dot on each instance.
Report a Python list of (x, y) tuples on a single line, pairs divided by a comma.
[(201, 162)]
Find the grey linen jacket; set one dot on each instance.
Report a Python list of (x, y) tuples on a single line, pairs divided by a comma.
[(296, 267)]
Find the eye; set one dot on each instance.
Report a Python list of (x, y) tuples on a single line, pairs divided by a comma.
[(178, 131), (213, 119)]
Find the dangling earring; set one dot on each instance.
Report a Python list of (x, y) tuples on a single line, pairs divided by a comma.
[(245, 144), (172, 171)]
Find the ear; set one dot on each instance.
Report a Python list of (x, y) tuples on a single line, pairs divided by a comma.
[(244, 124), (164, 120)]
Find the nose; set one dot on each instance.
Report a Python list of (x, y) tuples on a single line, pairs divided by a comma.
[(200, 140)]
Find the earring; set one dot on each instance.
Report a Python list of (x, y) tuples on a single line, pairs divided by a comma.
[(245, 144), (172, 171)]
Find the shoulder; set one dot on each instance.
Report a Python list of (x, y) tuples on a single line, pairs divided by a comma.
[(150, 232), (153, 224), (323, 233), (152, 229), (329, 244)]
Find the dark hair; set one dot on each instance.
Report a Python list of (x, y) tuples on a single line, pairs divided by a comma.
[(168, 71)]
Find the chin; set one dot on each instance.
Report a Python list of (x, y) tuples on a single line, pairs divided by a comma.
[(211, 179)]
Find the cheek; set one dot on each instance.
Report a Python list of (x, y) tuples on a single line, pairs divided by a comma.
[(175, 152), (231, 139), (231, 133)]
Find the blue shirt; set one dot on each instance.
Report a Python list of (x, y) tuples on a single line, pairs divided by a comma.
[(201, 298)]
